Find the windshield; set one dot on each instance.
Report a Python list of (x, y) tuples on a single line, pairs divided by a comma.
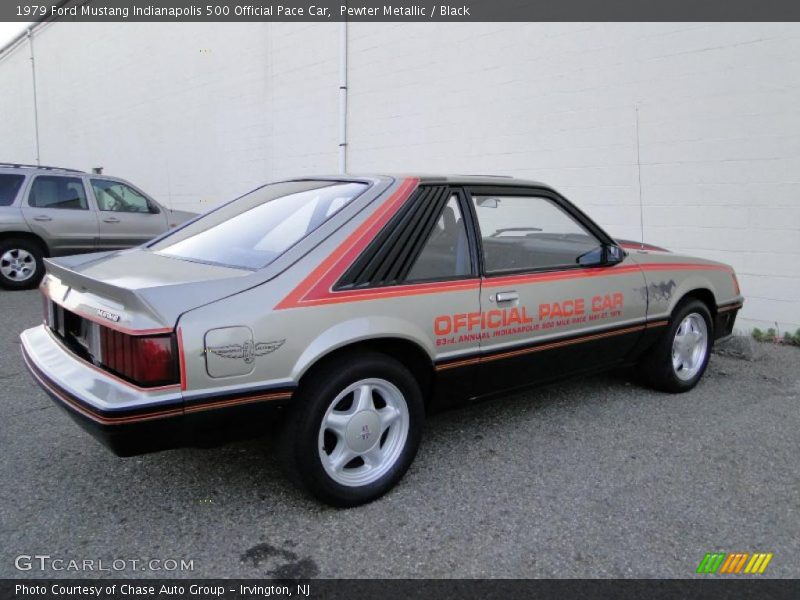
[(254, 230)]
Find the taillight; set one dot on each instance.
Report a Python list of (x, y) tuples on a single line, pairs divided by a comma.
[(145, 360)]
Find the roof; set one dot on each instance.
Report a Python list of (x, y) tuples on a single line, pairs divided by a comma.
[(435, 178)]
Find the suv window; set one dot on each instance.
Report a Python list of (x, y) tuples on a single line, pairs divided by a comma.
[(9, 186), (254, 230), (529, 232), (446, 252), (118, 197), (50, 191)]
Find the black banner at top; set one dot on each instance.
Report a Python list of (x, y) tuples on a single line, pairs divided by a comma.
[(399, 10)]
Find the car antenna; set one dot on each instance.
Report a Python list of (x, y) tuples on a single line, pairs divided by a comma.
[(639, 175)]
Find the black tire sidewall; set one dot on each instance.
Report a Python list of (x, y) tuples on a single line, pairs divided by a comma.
[(35, 250), (313, 399)]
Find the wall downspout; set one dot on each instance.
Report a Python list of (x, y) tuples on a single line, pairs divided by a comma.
[(35, 99), (343, 98)]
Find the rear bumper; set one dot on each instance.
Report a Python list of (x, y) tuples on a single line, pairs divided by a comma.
[(130, 420), (126, 419)]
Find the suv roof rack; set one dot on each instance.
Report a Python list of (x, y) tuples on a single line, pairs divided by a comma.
[(45, 167)]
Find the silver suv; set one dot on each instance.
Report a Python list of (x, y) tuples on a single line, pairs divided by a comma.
[(52, 211)]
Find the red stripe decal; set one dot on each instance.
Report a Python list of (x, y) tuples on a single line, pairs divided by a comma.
[(317, 288), (620, 269)]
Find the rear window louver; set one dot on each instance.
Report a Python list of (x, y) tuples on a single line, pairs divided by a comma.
[(390, 256)]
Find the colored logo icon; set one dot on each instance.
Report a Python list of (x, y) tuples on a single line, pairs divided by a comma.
[(736, 563)]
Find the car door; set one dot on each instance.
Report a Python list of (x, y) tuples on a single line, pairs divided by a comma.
[(57, 209), (126, 216), (553, 302)]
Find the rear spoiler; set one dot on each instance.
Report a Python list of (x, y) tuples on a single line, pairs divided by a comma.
[(98, 295)]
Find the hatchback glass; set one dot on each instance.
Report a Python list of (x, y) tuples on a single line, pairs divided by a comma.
[(254, 230)]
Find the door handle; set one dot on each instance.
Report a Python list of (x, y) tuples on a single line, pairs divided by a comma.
[(507, 296), (111, 220), (42, 218)]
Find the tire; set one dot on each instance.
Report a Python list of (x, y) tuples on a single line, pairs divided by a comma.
[(21, 264), (680, 357), (336, 442)]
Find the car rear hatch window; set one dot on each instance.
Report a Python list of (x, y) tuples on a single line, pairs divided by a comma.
[(252, 231), (9, 186)]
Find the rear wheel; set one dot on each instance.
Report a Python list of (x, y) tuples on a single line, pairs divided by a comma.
[(354, 429), (21, 264), (678, 360)]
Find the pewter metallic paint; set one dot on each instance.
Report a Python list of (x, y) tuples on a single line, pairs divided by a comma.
[(152, 292)]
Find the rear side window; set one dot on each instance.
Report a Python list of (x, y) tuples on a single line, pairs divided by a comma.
[(255, 229), (49, 191), (9, 186), (425, 241), (445, 254)]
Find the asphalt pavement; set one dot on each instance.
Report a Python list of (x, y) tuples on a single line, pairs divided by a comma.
[(595, 477)]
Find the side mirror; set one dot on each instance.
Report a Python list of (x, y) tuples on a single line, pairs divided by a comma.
[(614, 254)]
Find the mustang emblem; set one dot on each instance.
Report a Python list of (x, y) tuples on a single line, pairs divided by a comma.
[(107, 315), (247, 351)]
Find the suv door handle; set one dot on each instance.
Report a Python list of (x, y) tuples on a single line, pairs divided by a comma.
[(111, 220), (507, 296), (42, 218)]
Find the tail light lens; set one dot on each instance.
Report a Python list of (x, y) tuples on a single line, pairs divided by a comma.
[(145, 360)]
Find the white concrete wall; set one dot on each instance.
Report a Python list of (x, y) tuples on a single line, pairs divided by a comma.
[(197, 113), (193, 113)]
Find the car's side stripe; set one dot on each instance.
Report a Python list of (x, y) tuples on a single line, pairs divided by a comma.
[(490, 282), (548, 346), (317, 288), (621, 269), (237, 401)]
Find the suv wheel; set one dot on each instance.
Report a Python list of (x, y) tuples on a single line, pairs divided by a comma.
[(354, 429), (678, 360), (21, 265)]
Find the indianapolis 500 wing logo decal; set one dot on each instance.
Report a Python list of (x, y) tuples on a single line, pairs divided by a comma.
[(248, 351)]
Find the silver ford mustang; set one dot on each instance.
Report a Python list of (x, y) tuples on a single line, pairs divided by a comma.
[(350, 307)]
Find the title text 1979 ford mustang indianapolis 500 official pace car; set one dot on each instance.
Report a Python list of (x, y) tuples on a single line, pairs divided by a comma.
[(356, 305)]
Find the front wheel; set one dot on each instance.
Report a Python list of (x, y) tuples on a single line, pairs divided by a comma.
[(354, 429), (678, 360), (21, 263)]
